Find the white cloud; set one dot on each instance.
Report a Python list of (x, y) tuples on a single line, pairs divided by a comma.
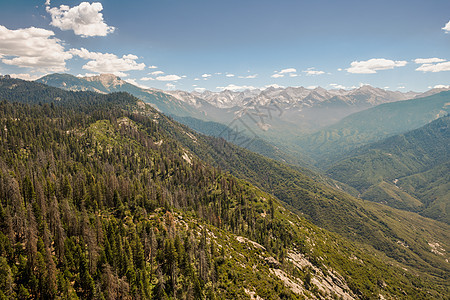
[(47, 2), (87, 75), (85, 19), (288, 70), (230, 75), (183, 76), (443, 66), (152, 67), (447, 27), (249, 76), (157, 73), (147, 78), (441, 86), (200, 90), (311, 87), (428, 60), (206, 75), (26, 76), (337, 86), (339, 69), (34, 48), (373, 65), (312, 72), (170, 86), (107, 62), (218, 73), (196, 79), (277, 75), (168, 78), (133, 82), (274, 85), (233, 87), (401, 87)]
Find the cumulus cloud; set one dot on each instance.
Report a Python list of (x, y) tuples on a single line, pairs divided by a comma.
[(157, 73), (168, 78), (26, 76), (206, 76), (230, 75), (152, 67), (274, 85), (87, 75), (428, 60), (200, 90), (134, 82), (233, 87), (434, 68), (446, 28), (249, 76), (313, 72), (34, 48), (170, 86), (107, 62), (337, 86), (373, 65), (277, 75), (85, 19), (147, 78), (288, 70), (440, 86)]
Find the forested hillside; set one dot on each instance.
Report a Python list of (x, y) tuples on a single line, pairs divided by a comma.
[(101, 198), (408, 171), (329, 144)]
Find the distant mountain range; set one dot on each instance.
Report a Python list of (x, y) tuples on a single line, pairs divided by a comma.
[(310, 108), (332, 142), (280, 116)]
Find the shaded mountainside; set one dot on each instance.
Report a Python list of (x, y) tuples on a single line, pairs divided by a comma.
[(108, 83), (408, 171), (329, 144), (104, 197), (182, 108)]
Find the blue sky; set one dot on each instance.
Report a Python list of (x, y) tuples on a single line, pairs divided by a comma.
[(171, 44)]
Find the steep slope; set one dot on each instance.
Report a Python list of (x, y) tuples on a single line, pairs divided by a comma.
[(373, 124), (119, 206), (380, 170), (360, 221), (108, 83), (184, 107)]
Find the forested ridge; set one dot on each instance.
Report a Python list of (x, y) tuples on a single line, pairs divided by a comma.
[(99, 201)]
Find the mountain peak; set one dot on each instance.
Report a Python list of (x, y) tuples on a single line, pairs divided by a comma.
[(107, 80)]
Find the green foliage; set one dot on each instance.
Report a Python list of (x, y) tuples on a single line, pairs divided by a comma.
[(101, 197), (408, 171), (329, 144)]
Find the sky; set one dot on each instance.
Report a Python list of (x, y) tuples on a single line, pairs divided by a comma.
[(215, 45)]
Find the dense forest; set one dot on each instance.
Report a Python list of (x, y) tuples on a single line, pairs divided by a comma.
[(98, 200)]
